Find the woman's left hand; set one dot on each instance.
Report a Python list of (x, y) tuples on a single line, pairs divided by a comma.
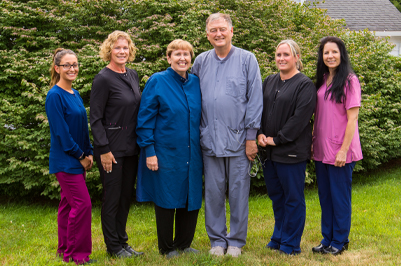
[(269, 141), (90, 157), (151, 163), (341, 157), (87, 162)]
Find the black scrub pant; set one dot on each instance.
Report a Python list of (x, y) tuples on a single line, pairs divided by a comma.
[(118, 188), (185, 225)]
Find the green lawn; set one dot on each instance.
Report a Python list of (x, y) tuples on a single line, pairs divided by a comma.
[(28, 231)]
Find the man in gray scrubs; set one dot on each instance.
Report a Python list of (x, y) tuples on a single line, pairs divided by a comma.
[(231, 112)]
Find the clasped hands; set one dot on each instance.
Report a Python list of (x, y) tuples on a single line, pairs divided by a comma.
[(264, 141), (87, 162)]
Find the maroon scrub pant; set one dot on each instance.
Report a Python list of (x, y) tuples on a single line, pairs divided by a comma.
[(74, 218)]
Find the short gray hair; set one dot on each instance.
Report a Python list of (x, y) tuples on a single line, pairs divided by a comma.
[(216, 16)]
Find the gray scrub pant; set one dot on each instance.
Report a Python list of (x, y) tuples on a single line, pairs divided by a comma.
[(220, 172)]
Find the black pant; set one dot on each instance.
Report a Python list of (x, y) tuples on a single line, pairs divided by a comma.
[(118, 188), (185, 225)]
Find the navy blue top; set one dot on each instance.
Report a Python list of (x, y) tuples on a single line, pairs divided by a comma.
[(69, 135), (168, 127)]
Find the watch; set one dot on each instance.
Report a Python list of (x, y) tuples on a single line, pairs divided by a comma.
[(82, 157)]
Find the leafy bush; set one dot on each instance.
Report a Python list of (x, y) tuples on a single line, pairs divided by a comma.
[(31, 30)]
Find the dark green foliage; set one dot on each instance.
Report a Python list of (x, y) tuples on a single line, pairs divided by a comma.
[(31, 30), (397, 4)]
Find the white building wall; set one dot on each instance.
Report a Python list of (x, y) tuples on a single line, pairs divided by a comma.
[(397, 49), (395, 38)]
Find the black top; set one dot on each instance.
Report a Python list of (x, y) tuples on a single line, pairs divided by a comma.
[(114, 106), (287, 109)]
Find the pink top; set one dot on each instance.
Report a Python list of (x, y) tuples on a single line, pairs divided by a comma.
[(330, 123)]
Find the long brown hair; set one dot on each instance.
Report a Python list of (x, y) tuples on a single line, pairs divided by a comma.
[(59, 53)]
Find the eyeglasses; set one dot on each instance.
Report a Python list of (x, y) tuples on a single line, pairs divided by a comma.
[(68, 66), (214, 30)]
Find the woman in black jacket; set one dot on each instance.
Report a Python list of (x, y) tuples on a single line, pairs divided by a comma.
[(114, 106), (289, 99)]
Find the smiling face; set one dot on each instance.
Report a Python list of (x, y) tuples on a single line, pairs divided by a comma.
[(219, 33), (331, 55), (120, 53), (285, 60), (180, 61), (71, 74)]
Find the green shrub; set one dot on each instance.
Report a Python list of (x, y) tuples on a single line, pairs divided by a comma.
[(31, 30)]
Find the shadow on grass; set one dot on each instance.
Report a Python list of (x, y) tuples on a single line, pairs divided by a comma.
[(358, 179)]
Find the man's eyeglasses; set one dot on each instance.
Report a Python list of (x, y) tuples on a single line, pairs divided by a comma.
[(214, 30), (68, 66)]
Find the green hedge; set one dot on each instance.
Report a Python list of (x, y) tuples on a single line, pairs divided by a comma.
[(31, 30)]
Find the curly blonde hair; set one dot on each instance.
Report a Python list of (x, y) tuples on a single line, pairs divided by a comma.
[(107, 45)]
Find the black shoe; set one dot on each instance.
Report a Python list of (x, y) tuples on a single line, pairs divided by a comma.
[(346, 246), (172, 254), (319, 249), (90, 261), (190, 250), (121, 254), (333, 251), (133, 252)]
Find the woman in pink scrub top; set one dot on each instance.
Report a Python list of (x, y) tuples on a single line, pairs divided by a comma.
[(336, 145)]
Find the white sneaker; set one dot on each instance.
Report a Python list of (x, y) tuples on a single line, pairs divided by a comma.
[(233, 251), (217, 250)]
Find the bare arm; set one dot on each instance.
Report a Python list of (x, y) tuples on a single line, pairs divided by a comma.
[(352, 116)]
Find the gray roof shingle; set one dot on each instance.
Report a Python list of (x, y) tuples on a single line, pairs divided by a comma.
[(375, 15)]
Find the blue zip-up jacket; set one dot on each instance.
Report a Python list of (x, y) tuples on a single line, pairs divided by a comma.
[(168, 127), (231, 101)]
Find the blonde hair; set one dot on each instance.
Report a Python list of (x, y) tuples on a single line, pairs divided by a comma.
[(216, 16), (59, 53), (107, 45), (180, 44), (295, 50)]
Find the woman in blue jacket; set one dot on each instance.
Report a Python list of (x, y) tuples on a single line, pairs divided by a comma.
[(170, 164), (70, 156)]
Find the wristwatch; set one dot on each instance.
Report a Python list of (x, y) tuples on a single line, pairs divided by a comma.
[(82, 157)]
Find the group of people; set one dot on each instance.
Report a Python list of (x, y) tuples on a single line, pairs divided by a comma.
[(212, 121)]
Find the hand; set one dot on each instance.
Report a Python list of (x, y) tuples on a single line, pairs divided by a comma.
[(90, 157), (107, 160), (151, 163), (262, 140), (251, 149), (269, 141), (87, 162), (341, 157)]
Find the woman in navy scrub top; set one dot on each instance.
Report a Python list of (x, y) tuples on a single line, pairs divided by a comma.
[(70, 157)]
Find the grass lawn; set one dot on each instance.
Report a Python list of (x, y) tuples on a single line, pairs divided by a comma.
[(28, 231)]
